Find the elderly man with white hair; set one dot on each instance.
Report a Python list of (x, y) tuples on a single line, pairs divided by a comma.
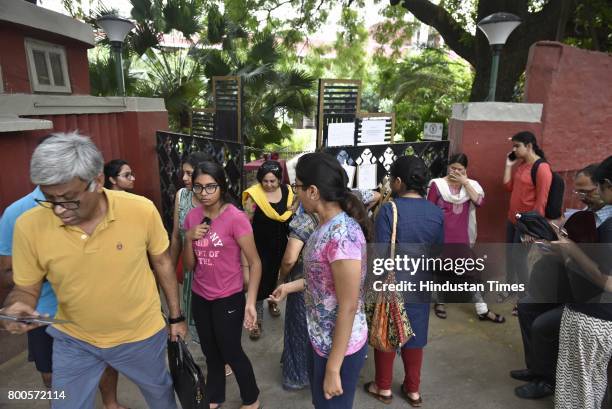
[(94, 246)]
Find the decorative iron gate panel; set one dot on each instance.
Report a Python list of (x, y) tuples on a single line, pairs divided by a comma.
[(435, 155), (174, 148)]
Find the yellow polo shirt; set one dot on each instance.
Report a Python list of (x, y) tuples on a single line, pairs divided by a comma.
[(103, 282)]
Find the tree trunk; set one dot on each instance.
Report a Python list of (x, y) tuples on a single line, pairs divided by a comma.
[(475, 49)]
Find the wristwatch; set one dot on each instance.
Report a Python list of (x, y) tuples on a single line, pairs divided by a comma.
[(176, 320)]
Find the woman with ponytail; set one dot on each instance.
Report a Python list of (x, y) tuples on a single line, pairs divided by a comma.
[(334, 273), (420, 225), (525, 196)]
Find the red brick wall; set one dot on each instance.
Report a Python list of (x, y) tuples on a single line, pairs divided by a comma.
[(575, 86), (128, 135), (15, 66)]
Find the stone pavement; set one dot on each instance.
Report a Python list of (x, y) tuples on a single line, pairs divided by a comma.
[(465, 366)]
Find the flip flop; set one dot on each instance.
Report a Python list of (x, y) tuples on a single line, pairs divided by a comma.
[(485, 317), (383, 398), (415, 403)]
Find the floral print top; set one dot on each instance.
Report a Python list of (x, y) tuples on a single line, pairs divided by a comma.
[(340, 238)]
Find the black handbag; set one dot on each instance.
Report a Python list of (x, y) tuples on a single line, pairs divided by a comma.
[(187, 376), (535, 225)]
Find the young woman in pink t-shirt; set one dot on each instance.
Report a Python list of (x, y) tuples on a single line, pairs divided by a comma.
[(217, 232)]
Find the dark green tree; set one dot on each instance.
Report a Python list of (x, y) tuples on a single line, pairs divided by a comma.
[(422, 88), (572, 20)]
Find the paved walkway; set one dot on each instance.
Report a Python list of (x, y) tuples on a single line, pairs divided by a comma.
[(466, 366)]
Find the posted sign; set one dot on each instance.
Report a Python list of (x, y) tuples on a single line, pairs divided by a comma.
[(433, 131)]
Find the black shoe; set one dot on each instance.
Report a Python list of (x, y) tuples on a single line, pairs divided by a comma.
[(534, 390), (523, 375)]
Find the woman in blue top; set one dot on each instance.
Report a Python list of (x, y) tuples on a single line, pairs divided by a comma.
[(418, 222)]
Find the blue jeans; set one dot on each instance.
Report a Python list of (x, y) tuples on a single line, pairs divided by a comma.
[(349, 375), (78, 366)]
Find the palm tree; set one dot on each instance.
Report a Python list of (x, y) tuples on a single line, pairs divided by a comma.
[(272, 93), (172, 75)]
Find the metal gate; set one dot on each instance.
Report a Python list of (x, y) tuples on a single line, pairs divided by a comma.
[(174, 148)]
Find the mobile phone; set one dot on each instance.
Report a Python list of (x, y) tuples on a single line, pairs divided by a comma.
[(512, 156), (206, 220), (32, 319)]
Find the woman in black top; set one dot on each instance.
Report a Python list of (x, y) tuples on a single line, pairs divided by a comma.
[(268, 204)]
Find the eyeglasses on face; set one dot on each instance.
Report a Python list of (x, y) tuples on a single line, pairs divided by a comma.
[(209, 188), (66, 204), (583, 193), (127, 175), (295, 186)]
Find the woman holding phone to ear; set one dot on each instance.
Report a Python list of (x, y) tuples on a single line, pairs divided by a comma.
[(525, 196), (212, 252)]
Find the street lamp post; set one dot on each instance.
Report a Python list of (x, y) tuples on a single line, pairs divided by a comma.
[(497, 28), (116, 29)]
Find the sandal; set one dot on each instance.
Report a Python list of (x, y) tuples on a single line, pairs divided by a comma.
[(440, 311), (499, 319), (386, 399), (515, 310), (415, 403), (255, 333), (228, 370), (274, 310)]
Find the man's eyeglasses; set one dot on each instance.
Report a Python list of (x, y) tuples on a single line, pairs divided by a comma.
[(584, 193), (210, 188), (294, 187), (67, 204), (128, 175)]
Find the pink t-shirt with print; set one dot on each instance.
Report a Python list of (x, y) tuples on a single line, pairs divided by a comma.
[(217, 273)]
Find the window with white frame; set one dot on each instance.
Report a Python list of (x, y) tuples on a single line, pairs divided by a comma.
[(47, 66)]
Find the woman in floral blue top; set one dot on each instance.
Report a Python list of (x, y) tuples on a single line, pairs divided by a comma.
[(334, 273)]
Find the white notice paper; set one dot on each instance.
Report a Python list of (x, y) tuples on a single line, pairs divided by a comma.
[(350, 171), (341, 134), (366, 176), (373, 131)]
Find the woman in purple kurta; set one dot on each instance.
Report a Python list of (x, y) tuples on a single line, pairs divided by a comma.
[(459, 197)]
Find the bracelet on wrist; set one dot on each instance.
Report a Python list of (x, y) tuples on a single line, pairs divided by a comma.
[(176, 320)]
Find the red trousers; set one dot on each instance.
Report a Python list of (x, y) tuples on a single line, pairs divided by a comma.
[(412, 358)]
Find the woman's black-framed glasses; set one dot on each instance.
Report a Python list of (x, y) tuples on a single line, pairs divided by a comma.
[(66, 204), (209, 188), (294, 187), (127, 175)]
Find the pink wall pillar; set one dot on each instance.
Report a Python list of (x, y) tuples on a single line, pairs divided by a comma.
[(482, 131)]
